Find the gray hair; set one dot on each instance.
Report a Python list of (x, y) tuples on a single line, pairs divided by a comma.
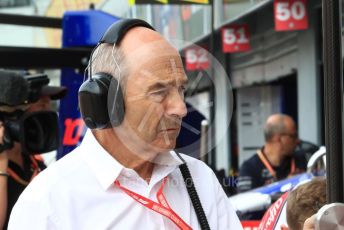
[(110, 59), (273, 128)]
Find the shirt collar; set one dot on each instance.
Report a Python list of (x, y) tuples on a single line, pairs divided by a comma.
[(164, 165), (107, 169)]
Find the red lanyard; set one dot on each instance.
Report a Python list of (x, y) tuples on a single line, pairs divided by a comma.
[(34, 166), (269, 167), (162, 207)]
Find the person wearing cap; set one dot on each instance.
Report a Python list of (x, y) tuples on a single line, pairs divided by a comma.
[(47, 94), (17, 169)]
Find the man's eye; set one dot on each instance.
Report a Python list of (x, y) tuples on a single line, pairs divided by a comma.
[(158, 95), (159, 92)]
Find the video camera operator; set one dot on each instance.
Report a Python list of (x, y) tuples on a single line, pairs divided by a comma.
[(27, 127)]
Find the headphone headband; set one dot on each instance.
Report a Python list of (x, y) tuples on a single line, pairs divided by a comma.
[(117, 30)]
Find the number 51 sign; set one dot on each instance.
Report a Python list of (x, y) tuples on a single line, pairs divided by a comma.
[(290, 15), (235, 38)]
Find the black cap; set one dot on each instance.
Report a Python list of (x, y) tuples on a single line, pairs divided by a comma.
[(54, 92)]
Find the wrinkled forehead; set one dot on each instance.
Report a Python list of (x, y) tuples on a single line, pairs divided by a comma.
[(162, 64), (155, 60), (159, 66), (164, 68), (149, 52)]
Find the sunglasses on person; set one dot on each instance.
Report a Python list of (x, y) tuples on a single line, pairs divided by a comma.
[(291, 135)]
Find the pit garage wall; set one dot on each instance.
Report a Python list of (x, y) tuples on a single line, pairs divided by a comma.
[(223, 112), (309, 75), (274, 55)]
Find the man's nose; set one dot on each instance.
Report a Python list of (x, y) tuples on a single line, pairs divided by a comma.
[(176, 104)]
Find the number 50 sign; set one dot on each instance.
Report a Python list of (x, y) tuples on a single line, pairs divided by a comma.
[(235, 38), (290, 15)]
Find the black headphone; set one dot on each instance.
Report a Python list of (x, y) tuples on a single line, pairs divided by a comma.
[(97, 109)]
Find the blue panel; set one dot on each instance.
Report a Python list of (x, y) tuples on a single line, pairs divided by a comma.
[(80, 29), (188, 141), (85, 28), (71, 125)]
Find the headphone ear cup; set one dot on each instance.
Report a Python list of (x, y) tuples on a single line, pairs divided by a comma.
[(93, 95), (115, 103)]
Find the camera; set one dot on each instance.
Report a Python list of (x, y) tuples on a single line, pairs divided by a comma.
[(37, 132)]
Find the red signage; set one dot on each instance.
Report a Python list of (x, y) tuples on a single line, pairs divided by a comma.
[(290, 15), (196, 58), (272, 215), (250, 224), (73, 131), (235, 38)]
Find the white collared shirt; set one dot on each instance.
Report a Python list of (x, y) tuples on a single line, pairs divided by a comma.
[(78, 192)]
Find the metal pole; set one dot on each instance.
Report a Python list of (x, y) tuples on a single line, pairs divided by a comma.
[(30, 20), (212, 91), (333, 99), (204, 142)]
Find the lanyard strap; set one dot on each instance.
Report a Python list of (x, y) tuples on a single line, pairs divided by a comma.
[(16, 177), (162, 207), (269, 167)]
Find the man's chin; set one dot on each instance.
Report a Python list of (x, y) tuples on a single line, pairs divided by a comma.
[(166, 147)]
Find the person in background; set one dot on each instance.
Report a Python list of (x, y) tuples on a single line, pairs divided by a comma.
[(304, 201), (276, 159), (17, 169), (127, 176), (47, 94), (291, 210)]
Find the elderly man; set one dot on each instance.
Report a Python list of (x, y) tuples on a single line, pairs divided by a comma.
[(125, 176), (276, 159)]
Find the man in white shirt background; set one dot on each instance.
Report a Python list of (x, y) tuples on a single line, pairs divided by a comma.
[(126, 176)]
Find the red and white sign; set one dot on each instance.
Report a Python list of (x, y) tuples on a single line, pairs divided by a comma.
[(272, 215), (235, 38), (196, 58), (250, 224), (290, 15)]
